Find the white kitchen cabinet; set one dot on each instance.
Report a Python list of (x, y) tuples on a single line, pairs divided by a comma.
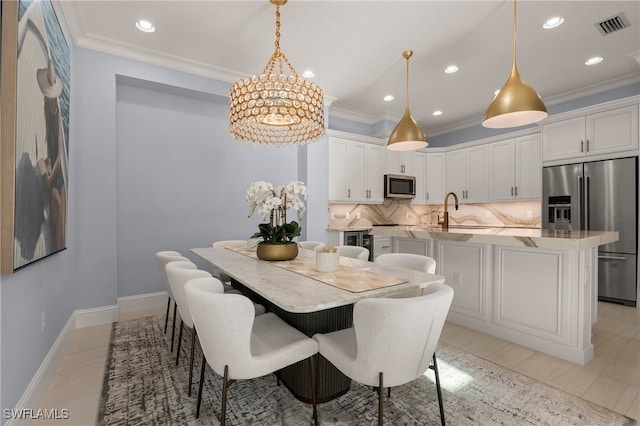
[(382, 245), (532, 288), (467, 172), (464, 268), (603, 133), (355, 171), (435, 163), (400, 162), (338, 166), (411, 245), (515, 171), (420, 172)]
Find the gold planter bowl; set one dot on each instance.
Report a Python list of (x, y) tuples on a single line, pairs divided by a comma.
[(273, 252)]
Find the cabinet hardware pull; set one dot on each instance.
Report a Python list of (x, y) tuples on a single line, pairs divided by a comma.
[(512, 191), (587, 145), (581, 146), (516, 191), (426, 195), (612, 257), (349, 193)]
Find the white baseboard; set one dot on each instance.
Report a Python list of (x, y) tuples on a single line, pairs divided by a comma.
[(40, 382), (96, 316), (142, 302)]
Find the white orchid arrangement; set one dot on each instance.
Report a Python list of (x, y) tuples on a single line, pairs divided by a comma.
[(274, 201)]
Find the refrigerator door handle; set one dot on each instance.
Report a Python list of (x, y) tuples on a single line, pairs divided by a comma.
[(609, 257), (581, 206), (587, 199)]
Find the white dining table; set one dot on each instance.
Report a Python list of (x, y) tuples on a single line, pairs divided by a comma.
[(295, 292), (311, 305)]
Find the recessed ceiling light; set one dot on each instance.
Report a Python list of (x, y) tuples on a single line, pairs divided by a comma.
[(594, 60), (388, 98), (556, 21), (308, 74), (146, 26), (451, 69), (438, 112)]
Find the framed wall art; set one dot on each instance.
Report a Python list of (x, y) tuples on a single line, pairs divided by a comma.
[(34, 144)]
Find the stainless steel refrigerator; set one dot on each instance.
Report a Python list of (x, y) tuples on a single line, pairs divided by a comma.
[(599, 196)]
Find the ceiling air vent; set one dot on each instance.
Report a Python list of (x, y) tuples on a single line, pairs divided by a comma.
[(613, 24)]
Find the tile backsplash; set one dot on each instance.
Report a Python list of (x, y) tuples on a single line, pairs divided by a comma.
[(509, 213)]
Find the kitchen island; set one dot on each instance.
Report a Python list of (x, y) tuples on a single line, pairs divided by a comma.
[(534, 287)]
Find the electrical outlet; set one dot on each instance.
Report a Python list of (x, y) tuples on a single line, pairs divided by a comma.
[(457, 278), (407, 215), (529, 214), (487, 214), (358, 215), (333, 215), (347, 215), (43, 317)]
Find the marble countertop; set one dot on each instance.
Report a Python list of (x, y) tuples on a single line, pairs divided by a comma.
[(295, 292), (521, 237)]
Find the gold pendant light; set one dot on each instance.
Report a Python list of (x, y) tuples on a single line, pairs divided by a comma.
[(407, 135), (276, 109), (517, 103)]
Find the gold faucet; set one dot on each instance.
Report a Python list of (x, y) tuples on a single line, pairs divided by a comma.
[(445, 219)]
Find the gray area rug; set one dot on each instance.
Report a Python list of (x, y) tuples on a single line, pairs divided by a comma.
[(143, 386)]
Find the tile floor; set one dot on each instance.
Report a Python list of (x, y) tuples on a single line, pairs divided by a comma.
[(611, 379)]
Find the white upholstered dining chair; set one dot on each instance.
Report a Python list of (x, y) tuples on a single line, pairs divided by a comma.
[(178, 273), (392, 341), (355, 252), (247, 346), (164, 257), (226, 280), (415, 262), (311, 245)]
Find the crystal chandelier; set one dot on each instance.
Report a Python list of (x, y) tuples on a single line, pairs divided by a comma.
[(275, 108)]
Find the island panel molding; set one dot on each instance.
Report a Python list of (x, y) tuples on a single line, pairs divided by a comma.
[(533, 287)]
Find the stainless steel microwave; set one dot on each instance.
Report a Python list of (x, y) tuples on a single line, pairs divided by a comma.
[(399, 186)]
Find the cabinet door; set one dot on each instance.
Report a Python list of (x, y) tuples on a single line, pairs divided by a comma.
[(381, 245), (400, 162), (375, 172), (502, 170), (456, 172), (612, 131), (338, 187), (528, 168), (357, 172), (563, 139), (463, 266), (477, 189), (435, 177), (419, 169), (410, 245)]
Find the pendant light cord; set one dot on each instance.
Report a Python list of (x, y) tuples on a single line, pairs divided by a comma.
[(514, 33), (407, 54)]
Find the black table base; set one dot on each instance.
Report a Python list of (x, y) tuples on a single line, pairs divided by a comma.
[(331, 383)]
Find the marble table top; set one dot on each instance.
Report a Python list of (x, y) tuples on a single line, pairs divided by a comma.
[(295, 292), (521, 237)]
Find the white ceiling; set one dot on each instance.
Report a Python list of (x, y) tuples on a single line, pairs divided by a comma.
[(355, 48)]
